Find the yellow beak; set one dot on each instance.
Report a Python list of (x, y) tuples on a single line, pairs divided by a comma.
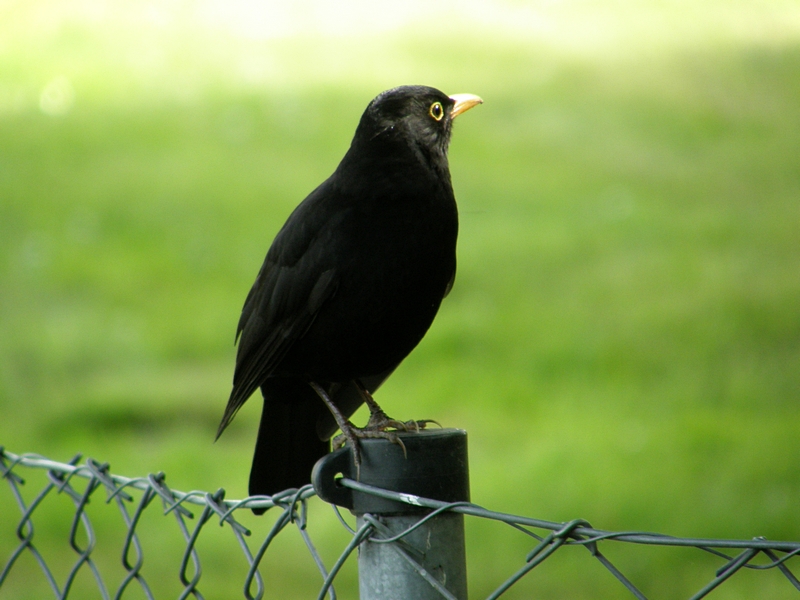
[(463, 102)]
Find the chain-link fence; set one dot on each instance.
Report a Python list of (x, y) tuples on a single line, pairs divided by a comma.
[(132, 497)]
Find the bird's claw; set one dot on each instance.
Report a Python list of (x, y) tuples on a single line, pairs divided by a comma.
[(419, 425), (351, 433), (379, 421), (377, 428)]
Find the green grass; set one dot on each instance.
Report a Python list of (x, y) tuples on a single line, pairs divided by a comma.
[(623, 340)]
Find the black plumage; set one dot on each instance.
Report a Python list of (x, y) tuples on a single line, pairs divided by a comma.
[(350, 285)]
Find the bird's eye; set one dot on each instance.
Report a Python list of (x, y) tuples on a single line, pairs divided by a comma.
[(436, 111)]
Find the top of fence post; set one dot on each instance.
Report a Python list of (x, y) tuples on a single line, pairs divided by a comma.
[(430, 463), (405, 554)]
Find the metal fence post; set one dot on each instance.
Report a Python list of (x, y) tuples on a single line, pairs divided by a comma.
[(428, 562)]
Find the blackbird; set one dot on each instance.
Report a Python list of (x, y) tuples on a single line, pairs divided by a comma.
[(349, 287)]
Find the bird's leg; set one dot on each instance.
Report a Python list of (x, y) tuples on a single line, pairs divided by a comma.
[(348, 429), (378, 420), (376, 427)]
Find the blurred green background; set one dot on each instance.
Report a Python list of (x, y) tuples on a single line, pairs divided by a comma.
[(623, 340)]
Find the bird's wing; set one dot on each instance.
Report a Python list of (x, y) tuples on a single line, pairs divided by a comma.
[(293, 283)]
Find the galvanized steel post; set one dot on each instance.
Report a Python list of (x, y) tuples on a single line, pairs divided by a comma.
[(428, 562)]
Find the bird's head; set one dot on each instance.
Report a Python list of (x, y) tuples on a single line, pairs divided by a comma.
[(418, 115)]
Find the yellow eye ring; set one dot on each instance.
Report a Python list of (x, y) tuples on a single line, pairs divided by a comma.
[(436, 111)]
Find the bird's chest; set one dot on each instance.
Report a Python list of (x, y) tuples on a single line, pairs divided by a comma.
[(392, 270), (407, 249)]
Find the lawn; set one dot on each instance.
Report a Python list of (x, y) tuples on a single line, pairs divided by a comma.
[(623, 339)]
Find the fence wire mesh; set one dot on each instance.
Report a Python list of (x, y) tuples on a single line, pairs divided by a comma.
[(132, 496)]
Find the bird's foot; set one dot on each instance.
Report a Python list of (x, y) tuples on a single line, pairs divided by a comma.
[(379, 426), (380, 422), (419, 425)]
